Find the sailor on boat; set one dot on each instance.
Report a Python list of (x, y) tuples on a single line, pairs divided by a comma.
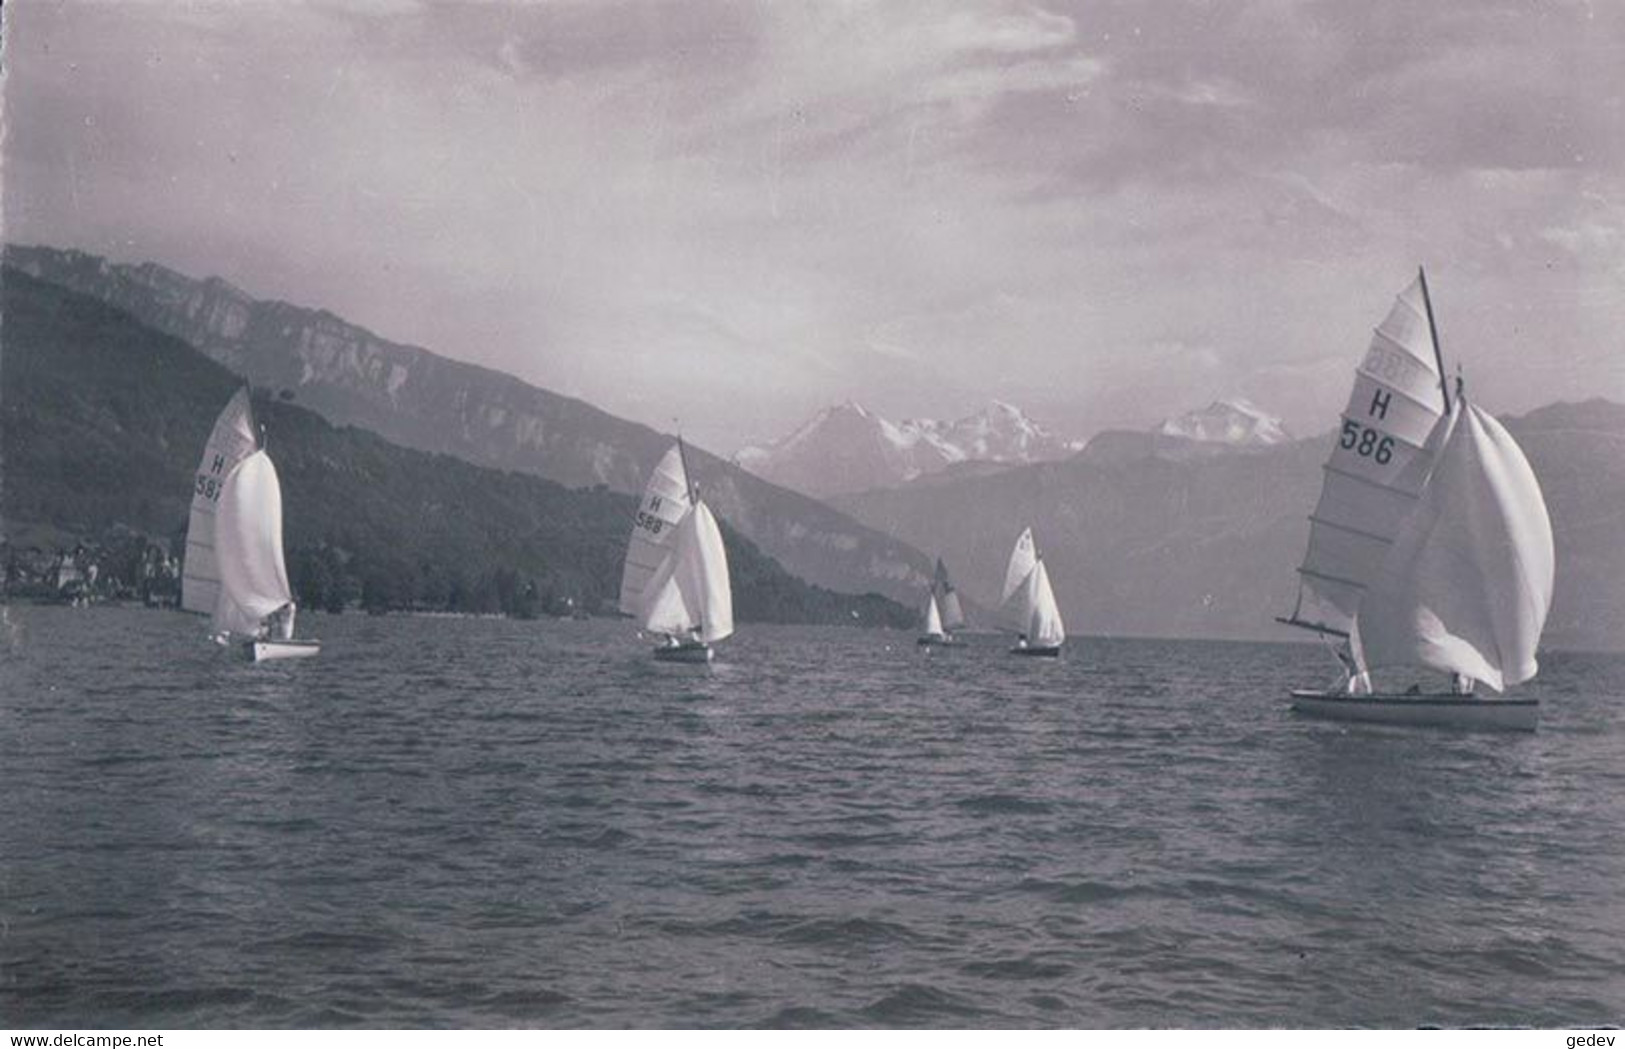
[(279, 624)]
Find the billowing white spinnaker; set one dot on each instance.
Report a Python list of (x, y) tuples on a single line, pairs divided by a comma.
[(1468, 581), (248, 541)]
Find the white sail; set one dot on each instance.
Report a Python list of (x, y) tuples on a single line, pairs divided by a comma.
[(690, 595), (1022, 560), (1044, 626), (953, 615), (232, 440), (1468, 581), (1377, 468), (248, 548), (933, 618), (664, 504)]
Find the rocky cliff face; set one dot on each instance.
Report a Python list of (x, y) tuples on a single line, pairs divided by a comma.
[(421, 400), (352, 376)]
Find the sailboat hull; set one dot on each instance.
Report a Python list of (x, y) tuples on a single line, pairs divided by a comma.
[(939, 641), (1048, 651), (683, 654), (1432, 709), (261, 651)]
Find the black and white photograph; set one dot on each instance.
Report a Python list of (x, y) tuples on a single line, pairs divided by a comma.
[(845, 514)]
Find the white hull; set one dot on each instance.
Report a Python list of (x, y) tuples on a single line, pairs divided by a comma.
[(260, 651), (1510, 715), (689, 653)]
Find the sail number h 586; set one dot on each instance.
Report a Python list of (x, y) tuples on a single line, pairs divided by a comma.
[(650, 521), (1367, 441)]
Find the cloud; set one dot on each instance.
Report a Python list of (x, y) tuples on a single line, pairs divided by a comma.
[(733, 210), (1009, 32), (1595, 232)]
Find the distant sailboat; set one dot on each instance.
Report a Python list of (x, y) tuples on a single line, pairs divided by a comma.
[(943, 614), (1430, 548), (675, 581), (931, 631), (1029, 602), (234, 570)]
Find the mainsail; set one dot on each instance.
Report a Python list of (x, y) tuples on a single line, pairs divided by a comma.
[(233, 439), (689, 594), (953, 616), (1377, 469), (1022, 560), (248, 548), (1467, 584), (665, 503)]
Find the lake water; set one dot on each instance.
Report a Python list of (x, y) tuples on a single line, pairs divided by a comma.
[(449, 822)]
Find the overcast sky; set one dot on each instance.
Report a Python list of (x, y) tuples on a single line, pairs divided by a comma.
[(734, 213)]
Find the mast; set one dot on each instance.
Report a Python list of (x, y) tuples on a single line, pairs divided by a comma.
[(1433, 332), (255, 427), (688, 478)]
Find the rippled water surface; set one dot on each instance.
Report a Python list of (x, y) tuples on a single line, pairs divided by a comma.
[(445, 822)]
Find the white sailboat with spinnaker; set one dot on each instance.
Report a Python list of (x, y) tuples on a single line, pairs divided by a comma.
[(1430, 559), (234, 570), (1028, 602), (675, 581)]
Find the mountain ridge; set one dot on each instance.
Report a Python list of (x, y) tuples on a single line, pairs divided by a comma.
[(104, 420), (420, 399)]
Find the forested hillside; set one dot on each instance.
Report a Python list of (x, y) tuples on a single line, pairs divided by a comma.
[(104, 420)]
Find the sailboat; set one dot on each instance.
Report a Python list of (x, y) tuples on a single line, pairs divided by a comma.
[(234, 570), (943, 614), (1029, 603), (675, 582), (1430, 551)]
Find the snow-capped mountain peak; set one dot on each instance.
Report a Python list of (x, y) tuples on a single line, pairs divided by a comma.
[(849, 414), (1235, 422), (847, 448)]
